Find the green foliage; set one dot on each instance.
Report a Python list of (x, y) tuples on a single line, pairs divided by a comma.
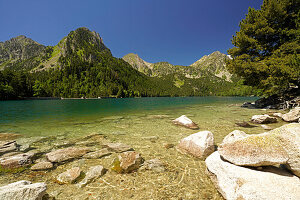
[(267, 50)]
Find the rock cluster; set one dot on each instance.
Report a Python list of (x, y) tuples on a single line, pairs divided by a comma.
[(229, 167)]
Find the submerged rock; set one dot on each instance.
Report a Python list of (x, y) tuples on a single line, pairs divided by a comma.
[(127, 162), (244, 124), (236, 182), (69, 176), (168, 145), (69, 153), (266, 127), (155, 165), (22, 190), (97, 154), (42, 166), (118, 147), (186, 122), (263, 119), (26, 143), (199, 144), (92, 174), (7, 146), (16, 161), (292, 116)]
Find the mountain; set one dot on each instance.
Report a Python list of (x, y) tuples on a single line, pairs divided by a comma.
[(19, 49), (81, 65), (211, 65), (214, 63)]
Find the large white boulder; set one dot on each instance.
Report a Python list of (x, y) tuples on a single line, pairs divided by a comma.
[(236, 182), (199, 144)]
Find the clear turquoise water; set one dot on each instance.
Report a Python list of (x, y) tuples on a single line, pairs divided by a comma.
[(48, 117), (128, 121)]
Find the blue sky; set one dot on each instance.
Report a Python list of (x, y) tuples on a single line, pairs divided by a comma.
[(177, 31)]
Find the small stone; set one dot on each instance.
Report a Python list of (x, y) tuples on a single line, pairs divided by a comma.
[(186, 122), (42, 166), (266, 127), (199, 144), (69, 176), (168, 145), (92, 174), (263, 119), (16, 161), (69, 153), (292, 116), (151, 138), (155, 165), (97, 154), (127, 162), (118, 147), (7, 146), (22, 190)]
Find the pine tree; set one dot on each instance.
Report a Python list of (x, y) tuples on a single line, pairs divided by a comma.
[(267, 49)]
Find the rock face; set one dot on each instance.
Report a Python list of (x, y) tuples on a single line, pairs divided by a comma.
[(97, 154), (278, 146), (186, 122), (93, 173), (16, 161), (7, 146), (69, 176), (236, 182), (127, 162), (66, 154), (254, 150), (23, 190), (118, 147), (42, 166), (199, 144), (263, 119), (289, 138), (292, 116)]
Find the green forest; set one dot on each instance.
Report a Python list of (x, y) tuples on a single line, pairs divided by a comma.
[(266, 61)]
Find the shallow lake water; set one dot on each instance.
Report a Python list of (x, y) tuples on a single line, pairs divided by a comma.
[(134, 122)]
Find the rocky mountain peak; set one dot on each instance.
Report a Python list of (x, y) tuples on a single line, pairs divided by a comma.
[(19, 48)]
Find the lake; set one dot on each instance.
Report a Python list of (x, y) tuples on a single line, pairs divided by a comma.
[(131, 121)]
